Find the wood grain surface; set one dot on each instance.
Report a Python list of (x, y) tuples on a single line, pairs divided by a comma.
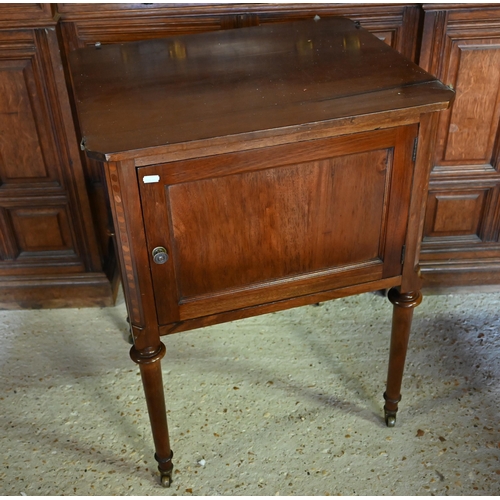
[(244, 82)]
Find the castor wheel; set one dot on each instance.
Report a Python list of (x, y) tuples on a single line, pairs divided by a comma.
[(390, 415), (390, 420), (166, 469), (166, 480)]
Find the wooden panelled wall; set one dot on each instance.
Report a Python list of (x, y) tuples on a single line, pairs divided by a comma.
[(461, 243), (56, 239)]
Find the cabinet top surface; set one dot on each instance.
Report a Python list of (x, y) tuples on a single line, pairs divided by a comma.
[(134, 98)]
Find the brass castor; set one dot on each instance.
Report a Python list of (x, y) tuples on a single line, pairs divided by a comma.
[(390, 420), (390, 415), (165, 475), (166, 479)]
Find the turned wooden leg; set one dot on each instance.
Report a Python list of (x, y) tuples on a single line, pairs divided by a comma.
[(150, 366), (404, 303)]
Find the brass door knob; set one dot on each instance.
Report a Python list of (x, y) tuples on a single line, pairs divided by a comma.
[(160, 255)]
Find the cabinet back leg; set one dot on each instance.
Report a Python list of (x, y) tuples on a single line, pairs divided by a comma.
[(404, 303)]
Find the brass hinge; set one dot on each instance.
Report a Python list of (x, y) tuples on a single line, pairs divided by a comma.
[(403, 252), (415, 145)]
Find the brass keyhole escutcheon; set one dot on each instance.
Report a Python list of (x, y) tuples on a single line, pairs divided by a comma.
[(160, 255)]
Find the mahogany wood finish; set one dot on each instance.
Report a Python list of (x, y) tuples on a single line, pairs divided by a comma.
[(48, 251), (461, 241), (258, 169)]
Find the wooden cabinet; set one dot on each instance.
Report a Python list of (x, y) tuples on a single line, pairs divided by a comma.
[(48, 252), (254, 170), (461, 245)]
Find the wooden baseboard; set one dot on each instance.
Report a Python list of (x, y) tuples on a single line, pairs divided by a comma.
[(460, 278), (457, 290), (81, 290)]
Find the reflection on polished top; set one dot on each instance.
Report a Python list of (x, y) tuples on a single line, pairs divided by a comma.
[(169, 91)]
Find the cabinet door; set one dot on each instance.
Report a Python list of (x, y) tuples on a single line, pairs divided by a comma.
[(462, 225), (249, 228)]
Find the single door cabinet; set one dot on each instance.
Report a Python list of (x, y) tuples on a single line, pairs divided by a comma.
[(258, 169)]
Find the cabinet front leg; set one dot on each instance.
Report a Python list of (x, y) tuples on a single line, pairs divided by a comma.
[(404, 303), (150, 367)]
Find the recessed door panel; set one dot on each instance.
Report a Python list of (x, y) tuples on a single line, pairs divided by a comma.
[(239, 230), (454, 214)]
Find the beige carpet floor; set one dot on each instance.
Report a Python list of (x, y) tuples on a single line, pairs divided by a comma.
[(284, 404)]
